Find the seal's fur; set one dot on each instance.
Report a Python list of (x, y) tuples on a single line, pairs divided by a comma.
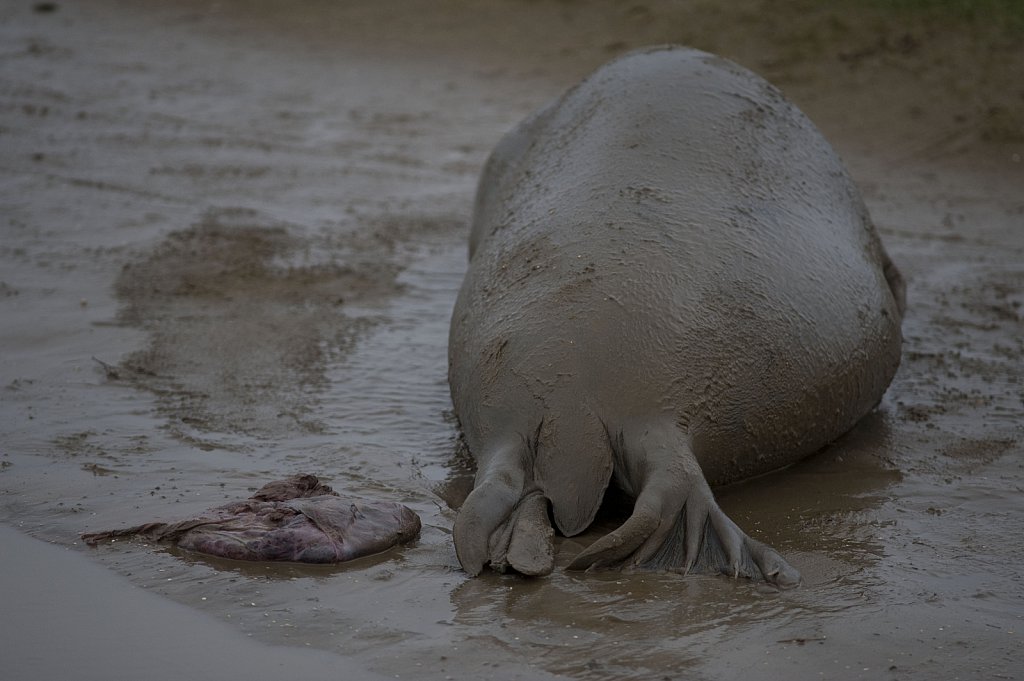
[(672, 281)]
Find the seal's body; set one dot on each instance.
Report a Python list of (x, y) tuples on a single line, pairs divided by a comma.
[(672, 281)]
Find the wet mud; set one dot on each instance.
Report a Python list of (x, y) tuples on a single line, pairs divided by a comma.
[(239, 312), (232, 236)]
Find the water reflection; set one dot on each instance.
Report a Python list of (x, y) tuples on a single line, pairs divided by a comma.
[(822, 504)]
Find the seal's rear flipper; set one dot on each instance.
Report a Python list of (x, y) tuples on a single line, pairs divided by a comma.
[(525, 541), (504, 520), (676, 523), (746, 558)]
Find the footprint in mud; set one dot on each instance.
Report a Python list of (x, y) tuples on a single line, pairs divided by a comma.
[(243, 315)]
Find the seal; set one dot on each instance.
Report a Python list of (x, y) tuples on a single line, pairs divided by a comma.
[(673, 284)]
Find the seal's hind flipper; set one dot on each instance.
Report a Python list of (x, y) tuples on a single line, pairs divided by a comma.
[(722, 549), (504, 520), (676, 523), (525, 541)]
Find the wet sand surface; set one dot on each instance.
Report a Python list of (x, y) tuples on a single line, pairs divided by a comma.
[(105, 629), (230, 242)]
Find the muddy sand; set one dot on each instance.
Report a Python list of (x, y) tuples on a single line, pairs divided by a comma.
[(230, 241)]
